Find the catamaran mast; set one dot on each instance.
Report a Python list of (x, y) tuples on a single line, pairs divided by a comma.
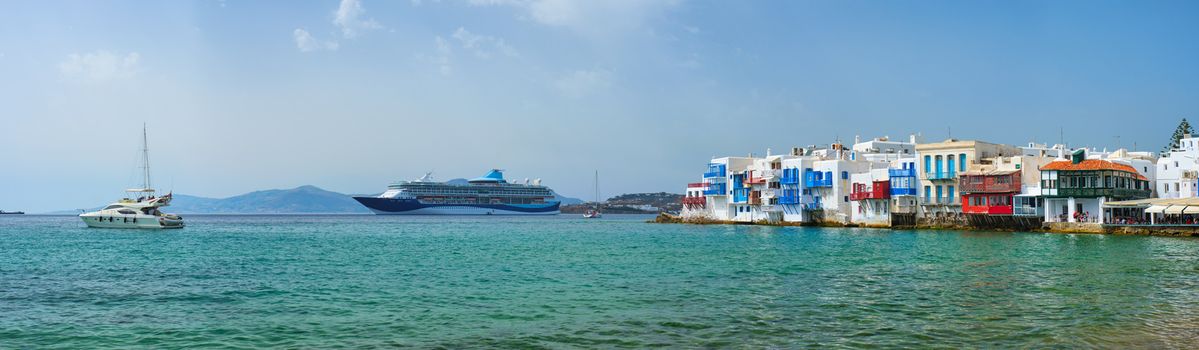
[(145, 160)]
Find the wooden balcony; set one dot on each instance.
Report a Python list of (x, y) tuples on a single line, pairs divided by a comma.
[(877, 190), (994, 182)]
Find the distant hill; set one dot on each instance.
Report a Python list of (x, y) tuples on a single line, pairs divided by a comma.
[(632, 203), (303, 199), (299, 200)]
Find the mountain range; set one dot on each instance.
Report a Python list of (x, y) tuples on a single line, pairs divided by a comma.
[(300, 200)]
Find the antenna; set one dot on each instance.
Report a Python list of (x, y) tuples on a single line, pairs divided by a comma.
[(145, 159)]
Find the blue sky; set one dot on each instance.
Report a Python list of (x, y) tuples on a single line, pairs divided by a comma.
[(350, 95)]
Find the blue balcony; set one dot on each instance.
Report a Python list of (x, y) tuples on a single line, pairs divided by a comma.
[(817, 179), (790, 176), (902, 172), (942, 175), (715, 189), (903, 191), (740, 195), (715, 170), (791, 196)]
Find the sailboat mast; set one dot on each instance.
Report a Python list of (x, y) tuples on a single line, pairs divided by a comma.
[(597, 203), (145, 160)]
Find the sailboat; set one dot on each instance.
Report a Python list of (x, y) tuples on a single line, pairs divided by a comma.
[(140, 207), (595, 212)]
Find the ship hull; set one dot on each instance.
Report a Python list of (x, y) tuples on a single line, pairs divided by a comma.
[(98, 220), (389, 206)]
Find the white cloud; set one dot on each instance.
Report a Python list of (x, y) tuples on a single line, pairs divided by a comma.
[(592, 16), (442, 58), (581, 83), (482, 45), (100, 66), (307, 43), (348, 18)]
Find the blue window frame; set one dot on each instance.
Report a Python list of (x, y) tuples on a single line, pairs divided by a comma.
[(928, 164), (940, 192), (962, 162), (844, 175), (950, 193)]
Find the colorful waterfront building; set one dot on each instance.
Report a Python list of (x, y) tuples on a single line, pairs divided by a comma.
[(1076, 189), (904, 182), (1178, 171), (940, 165), (870, 197)]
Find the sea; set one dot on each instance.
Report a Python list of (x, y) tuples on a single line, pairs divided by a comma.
[(361, 281)]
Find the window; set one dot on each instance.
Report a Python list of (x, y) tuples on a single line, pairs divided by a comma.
[(844, 175), (928, 164), (962, 162), (940, 192), (951, 193), (847, 199), (927, 192)]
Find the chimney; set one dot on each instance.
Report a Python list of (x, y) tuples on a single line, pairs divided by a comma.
[(1078, 156)]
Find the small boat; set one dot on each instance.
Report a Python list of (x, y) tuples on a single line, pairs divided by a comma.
[(11, 212), (140, 207), (594, 213)]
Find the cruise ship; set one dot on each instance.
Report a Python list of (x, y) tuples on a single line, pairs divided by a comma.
[(486, 195)]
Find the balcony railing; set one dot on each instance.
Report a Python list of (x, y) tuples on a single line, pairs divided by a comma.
[(697, 185), (715, 170), (940, 175), (901, 172), (1028, 211), (989, 183), (790, 177), (1120, 193), (941, 201), (715, 189), (900, 191), (857, 196), (825, 182)]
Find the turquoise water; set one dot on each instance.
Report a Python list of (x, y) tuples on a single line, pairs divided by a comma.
[(367, 281)]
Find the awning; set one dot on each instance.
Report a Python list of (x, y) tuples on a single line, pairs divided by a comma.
[(1175, 209), (1156, 209), (1191, 210)]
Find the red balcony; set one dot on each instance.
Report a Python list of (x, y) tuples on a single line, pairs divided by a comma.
[(988, 204), (697, 185), (877, 190), (751, 180), (990, 182), (695, 202)]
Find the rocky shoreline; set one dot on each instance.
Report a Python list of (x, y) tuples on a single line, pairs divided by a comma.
[(1063, 227)]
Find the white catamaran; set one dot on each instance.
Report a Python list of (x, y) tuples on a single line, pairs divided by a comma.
[(140, 209)]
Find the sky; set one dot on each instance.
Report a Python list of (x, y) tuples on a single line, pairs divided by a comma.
[(350, 95)]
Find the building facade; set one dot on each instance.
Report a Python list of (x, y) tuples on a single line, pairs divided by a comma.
[(1076, 189)]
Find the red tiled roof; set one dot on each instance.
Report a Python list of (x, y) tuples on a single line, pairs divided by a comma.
[(1092, 164)]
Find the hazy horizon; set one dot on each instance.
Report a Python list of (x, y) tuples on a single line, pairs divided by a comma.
[(351, 95)]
